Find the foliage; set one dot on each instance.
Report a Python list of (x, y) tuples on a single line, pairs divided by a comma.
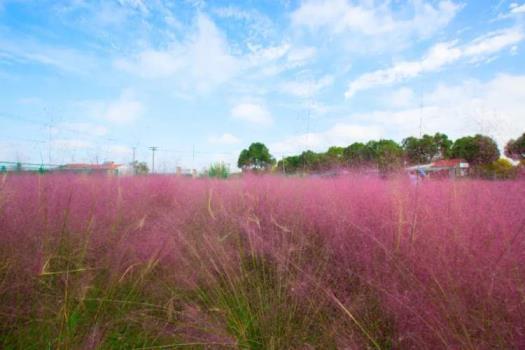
[(219, 170), (289, 164), (355, 156), (310, 160), (476, 150), (499, 169), (386, 154), (427, 148), (140, 168), (333, 157), (256, 157), (515, 149)]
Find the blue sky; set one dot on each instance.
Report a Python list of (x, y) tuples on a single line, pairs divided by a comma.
[(86, 81)]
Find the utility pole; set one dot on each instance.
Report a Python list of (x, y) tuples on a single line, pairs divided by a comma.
[(153, 149), (133, 165)]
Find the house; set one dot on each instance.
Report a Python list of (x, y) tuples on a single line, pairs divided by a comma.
[(443, 168), (106, 168), (449, 168)]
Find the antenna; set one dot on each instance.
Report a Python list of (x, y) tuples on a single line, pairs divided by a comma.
[(153, 149), (308, 114), (49, 130), (420, 112), (193, 157)]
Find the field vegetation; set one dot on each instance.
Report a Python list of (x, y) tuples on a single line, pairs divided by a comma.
[(260, 262)]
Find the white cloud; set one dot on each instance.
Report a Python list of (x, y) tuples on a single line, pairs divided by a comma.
[(224, 139), (438, 57), (400, 98), (71, 144), (118, 151), (30, 101), (252, 113), (494, 108), (306, 88), (341, 134), (517, 9), (22, 50), (300, 55), (205, 59), (202, 62), (135, 4), (152, 64), (493, 43), (358, 20), (255, 25), (84, 128), (124, 110)]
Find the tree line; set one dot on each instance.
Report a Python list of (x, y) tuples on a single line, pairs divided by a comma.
[(385, 155)]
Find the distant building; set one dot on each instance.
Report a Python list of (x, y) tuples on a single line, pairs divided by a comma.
[(179, 171), (450, 168), (106, 168)]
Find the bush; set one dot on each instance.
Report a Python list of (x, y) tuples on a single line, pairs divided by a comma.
[(219, 170), (500, 169)]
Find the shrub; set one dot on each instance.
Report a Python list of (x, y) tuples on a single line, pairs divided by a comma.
[(219, 170)]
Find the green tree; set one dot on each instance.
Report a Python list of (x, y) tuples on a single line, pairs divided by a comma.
[(420, 150), (289, 164), (219, 170), (386, 154), (332, 158), (477, 150), (310, 160), (140, 168), (444, 145), (499, 169), (515, 149), (426, 148), (255, 157), (355, 155)]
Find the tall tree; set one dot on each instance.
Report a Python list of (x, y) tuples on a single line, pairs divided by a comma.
[(426, 148), (444, 145), (310, 160), (332, 158), (478, 149), (387, 155), (255, 157), (354, 155), (140, 168), (515, 149)]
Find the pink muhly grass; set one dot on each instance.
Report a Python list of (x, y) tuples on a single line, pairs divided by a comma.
[(261, 262)]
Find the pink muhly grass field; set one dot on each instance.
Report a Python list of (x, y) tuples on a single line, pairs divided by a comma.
[(261, 263)]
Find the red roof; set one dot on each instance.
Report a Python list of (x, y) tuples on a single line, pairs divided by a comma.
[(85, 166), (448, 163)]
